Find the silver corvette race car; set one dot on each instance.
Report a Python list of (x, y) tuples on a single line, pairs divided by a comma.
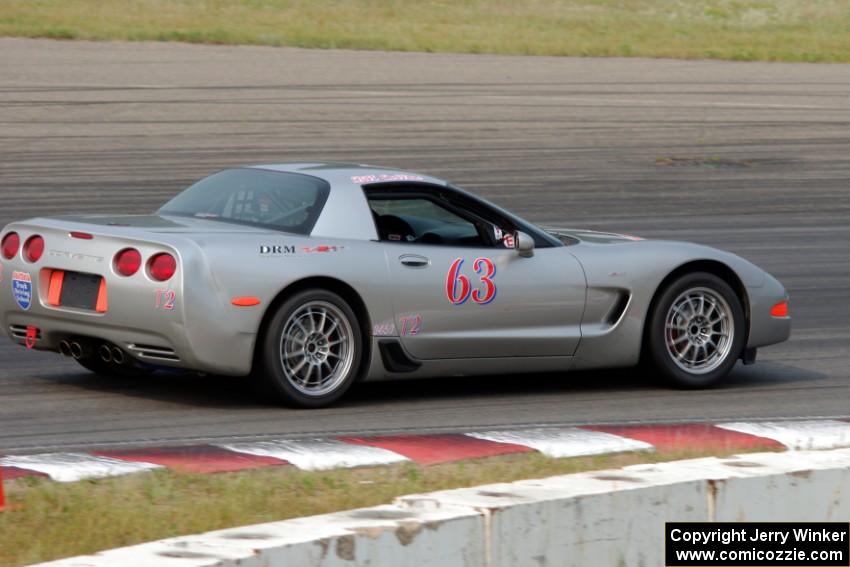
[(310, 276)]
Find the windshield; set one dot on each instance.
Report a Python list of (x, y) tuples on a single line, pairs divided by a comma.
[(290, 202)]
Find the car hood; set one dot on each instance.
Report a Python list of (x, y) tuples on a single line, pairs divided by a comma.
[(592, 236)]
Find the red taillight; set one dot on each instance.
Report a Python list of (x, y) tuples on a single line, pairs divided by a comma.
[(162, 266), (34, 248), (128, 261), (10, 245), (780, 309)]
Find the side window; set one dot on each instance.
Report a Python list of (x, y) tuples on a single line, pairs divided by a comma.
[(418, 219)]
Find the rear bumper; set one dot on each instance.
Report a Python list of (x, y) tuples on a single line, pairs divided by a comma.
[(158, 348), (196, 332), (224, 353)]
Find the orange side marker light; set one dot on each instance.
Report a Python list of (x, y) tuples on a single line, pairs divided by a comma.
[(780, 309), (245, 301)]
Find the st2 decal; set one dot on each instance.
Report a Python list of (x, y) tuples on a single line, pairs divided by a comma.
[(165, 299), (411, 325), (22, 289), (459, 289)]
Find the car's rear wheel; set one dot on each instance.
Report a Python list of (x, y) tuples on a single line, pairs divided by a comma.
[(697, 330), (311, 350)]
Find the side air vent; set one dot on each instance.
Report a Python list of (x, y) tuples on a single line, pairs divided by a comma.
[(618, 308), (154, 352), (395, 358)]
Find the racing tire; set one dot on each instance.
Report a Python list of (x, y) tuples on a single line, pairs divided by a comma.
[(311, 351), (697, 331)]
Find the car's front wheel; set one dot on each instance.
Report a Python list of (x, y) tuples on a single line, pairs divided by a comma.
[(311, 350), (697, 330)]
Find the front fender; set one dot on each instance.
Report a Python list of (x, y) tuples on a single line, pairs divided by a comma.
[(637, 269)]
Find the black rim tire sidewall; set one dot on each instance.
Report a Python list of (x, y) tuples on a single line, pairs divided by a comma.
[(657, 341), (272, 369)]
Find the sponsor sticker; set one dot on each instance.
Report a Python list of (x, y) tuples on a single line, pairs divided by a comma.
[(321, 249), (361, 179), (267, 250), (383, 330), (22, 289)]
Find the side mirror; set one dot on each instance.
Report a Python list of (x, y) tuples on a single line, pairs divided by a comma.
[(523, 244)]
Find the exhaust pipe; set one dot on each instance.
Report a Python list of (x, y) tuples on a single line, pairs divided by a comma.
[(117, 355), (105, 353), (76, 350), (65, 348)]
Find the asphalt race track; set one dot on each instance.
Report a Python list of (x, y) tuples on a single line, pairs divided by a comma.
[(753, 158)]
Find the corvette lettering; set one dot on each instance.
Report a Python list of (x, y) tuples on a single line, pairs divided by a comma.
[(74, 255), (459, 289)]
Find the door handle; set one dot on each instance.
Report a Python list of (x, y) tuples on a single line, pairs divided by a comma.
[(414, 261)]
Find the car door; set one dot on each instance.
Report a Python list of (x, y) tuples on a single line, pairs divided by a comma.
[(458, 292)]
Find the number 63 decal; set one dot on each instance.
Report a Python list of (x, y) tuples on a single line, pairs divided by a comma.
[(459, 288)]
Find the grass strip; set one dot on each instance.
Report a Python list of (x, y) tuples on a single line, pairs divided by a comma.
[(47, 520), (767, 30)]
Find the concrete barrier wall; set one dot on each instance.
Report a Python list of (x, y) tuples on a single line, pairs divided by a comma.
[(613, 517)]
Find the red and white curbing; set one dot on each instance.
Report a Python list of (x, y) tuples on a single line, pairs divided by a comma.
[(348, 452)]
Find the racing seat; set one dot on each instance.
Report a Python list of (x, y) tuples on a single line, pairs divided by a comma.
[(393, 228)]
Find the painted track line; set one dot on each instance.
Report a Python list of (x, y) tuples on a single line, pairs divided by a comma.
[(435, 449), (699, 436), (196, 458), (566, 442), (70, 467), (821, 434), (320, 454), (372, 432), (430, 449)]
